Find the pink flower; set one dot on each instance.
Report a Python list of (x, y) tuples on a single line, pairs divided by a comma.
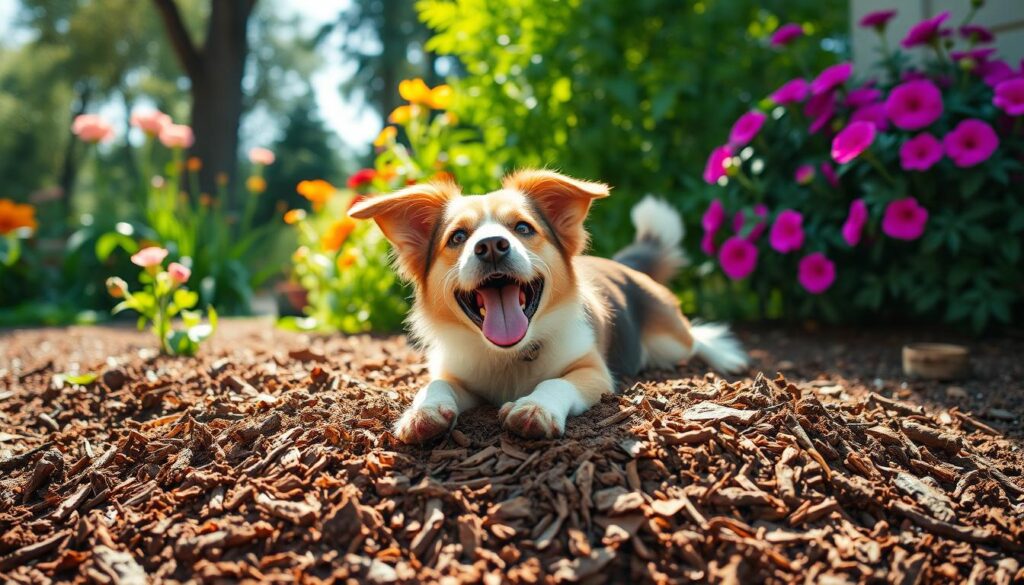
[(904, 219), (739, 219), (91, 128), (1010, 96), (970, 143), (994, 72), (738, 258), (149, 257), (804, 174), (831, 78), (829, 173), (914, 104), (746, 128), (816, 273), (787, 232), (713, 217), (877, 19), (261, 156), (707, 243), (820, 110), (925, 32), (178, 272), (786, 33), (862, 96), (852, 141), (921, 152), (177, 136), (979, 54), (854, 224), (715, 167), (794, 90), (151, 122), (874, 113), (977, 33)]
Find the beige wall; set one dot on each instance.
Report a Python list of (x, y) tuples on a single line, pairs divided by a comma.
[(1004, 17)]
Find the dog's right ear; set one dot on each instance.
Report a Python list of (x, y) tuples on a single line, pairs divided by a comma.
[(409, 219)]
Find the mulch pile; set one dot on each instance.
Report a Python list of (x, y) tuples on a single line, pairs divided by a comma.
[(270, 458)]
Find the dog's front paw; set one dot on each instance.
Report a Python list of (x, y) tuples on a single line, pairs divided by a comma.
[(421, 423), (530, 420)]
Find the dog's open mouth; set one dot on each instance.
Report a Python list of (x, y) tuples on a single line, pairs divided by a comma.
[(502, 307)]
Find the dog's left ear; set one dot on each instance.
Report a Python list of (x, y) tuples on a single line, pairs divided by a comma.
[(409, 219), (562, 202)]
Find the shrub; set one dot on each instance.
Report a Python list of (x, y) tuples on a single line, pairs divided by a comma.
[(895, 193)]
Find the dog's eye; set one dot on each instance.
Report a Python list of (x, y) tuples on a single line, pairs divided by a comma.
[(457, 238), (524, 229)]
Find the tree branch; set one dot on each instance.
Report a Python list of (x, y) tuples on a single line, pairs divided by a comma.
[(183, 46)]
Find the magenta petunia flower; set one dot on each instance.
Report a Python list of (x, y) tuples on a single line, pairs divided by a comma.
[(713, 217), (831, 78), (786, 33), (904, 219), (739, 219), (914, 104), (816, 273), (855, 221), (877, 19), (738, 258), (921, 152), (874, 113), (804, 174), (830, 175), (862, 96), (715, 167), (925, 32), (820, 110), (976, 33), (994, 72), (787, 232), (980, 54), (746, 128), (794, 90), (852, 141), (1010, 96), (707, 243), (972, 142)]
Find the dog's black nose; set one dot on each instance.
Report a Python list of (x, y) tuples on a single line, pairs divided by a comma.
[(491, 249)]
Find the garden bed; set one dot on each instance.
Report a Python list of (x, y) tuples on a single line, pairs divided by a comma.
[(269, 457)]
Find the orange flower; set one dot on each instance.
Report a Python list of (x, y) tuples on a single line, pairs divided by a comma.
[(205, 200), (15, 216), (337, 234), (256, 184), (195, 164), (450, 118), (222, 179), (294, 216), (300, 254), (386, 136), (440, 97), (317, 191), (403, 114), (347, 258), (414, 91)]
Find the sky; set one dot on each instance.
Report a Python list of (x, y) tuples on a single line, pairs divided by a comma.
[(355, 126)]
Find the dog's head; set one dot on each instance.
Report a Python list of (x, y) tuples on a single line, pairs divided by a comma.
[(496, 263)]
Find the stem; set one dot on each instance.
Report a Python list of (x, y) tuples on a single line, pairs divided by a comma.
[(874, 162)]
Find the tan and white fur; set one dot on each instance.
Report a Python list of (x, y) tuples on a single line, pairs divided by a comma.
[(510, 313)]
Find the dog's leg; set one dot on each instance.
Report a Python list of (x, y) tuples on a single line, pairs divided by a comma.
[(542, 413), (433, 411)]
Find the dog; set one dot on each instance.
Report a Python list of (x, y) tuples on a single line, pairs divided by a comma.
[(511, 313)]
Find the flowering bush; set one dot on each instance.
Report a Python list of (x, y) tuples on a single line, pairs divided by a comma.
[(894, 192), (164, 296)]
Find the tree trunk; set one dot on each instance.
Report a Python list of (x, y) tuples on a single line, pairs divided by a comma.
[(69, 169)]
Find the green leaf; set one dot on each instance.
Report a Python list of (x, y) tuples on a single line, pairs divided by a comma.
[(211, 315), (81, 379), (110, 241), (185, 299)]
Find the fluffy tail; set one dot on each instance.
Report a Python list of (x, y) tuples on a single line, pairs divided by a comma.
[(715, 344), (659, 231)]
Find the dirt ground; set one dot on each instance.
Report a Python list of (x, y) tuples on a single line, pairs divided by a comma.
[(269, 458)]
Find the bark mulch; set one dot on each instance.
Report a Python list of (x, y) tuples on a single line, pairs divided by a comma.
[(269, 457)]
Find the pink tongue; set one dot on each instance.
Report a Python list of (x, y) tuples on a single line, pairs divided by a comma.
[(505, 322)]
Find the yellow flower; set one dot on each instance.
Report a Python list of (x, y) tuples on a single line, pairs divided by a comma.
[(386, 136), (347, 258), (294, 216), (317, 191), (194, 164), (403, 114), (440, 97), (337, 234), (15, 216), (414, 91), (256, 184)]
